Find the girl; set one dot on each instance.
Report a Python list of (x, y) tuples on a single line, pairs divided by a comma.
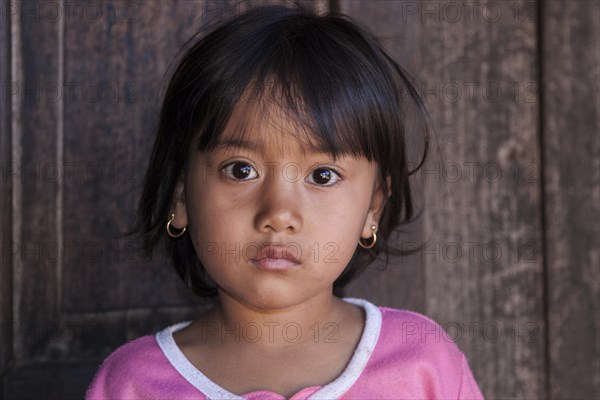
[(278, 174)]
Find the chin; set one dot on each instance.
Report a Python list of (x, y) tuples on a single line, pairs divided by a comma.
[(272, 293), (271, 299)]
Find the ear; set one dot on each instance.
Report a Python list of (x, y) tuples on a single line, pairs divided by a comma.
[(378, 200), (178, 206)]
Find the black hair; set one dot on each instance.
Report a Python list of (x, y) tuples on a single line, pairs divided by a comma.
[(330, 75)]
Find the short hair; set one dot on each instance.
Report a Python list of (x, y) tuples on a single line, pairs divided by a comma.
[(329, 74)]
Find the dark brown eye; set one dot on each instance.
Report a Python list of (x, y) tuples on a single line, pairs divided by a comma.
[(240, 171), (324, 176)]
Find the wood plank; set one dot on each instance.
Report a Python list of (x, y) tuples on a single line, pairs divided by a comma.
[(60, 381), (571, 81), (35, 218), (96, 335), (109, 131), (475, 66), (5, 197)]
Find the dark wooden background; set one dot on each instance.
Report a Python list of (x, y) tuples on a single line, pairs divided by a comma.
[(512, 192)]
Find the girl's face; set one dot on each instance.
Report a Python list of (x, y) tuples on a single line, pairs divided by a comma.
[(275, 191)]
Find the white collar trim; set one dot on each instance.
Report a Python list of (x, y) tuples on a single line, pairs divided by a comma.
[(334, 389)]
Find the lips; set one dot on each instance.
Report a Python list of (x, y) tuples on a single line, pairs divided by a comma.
[(276, 258)]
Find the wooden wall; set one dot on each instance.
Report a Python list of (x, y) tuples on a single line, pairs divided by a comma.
[(512, 190)]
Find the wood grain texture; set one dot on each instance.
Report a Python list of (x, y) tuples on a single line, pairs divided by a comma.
[(571, 81), (475, 66), (5, 200), (35, 208), (52, 381), (109, 130)]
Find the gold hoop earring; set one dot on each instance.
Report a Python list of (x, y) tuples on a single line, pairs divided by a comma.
[(176, 234), (373, 241)]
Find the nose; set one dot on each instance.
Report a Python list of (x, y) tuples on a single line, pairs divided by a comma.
[(279, 205)]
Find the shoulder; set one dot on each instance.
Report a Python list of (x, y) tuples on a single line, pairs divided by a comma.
[(406, 336), (413, 327), (421, 359), (120, 372), (418, 335), (129, 356), (138, 369)]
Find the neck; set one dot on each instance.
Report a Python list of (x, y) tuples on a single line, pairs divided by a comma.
[(306, 322)]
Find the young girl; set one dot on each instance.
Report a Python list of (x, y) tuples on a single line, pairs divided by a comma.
[(278, 174)]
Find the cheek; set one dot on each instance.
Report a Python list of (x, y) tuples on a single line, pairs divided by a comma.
[(349, 215), (348, 224), (337, 240), (206, 203), (208, 217)]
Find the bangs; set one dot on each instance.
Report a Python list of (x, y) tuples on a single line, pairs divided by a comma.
[(318, 74), (266, 107)]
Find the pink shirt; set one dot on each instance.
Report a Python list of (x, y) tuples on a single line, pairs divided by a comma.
[(401, 355)]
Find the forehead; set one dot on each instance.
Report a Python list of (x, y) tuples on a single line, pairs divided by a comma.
[(266, 127)]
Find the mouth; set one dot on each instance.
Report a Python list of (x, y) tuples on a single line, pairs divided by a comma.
[(276, 258)]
